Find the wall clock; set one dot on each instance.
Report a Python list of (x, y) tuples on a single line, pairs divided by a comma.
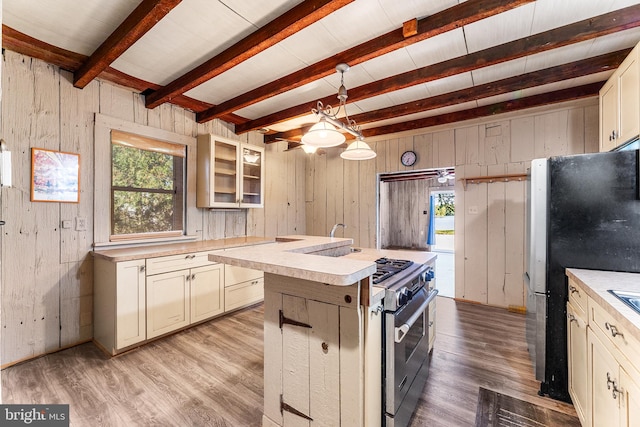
[(408, 158)]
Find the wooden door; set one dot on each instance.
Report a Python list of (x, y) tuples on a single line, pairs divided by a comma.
[(404, 207), (310, 363)]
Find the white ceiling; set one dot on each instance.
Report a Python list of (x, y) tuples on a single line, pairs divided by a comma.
[(196, 30)]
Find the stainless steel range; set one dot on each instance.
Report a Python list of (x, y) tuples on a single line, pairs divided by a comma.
[(405, 335)]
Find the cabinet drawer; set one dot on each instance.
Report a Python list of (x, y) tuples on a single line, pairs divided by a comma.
[(234, 275), (613, 331), (577, 296), (165, 264), (243, 294)]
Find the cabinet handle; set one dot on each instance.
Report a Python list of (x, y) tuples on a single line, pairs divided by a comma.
[(610, 383), (613, 329), (193, 277), (189, 257), (431, 323), (572, 318), (574, 290), (142, 269)]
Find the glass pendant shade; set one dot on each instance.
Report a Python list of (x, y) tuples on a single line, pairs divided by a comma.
[(323, 134), (358, 150), (309, 149)]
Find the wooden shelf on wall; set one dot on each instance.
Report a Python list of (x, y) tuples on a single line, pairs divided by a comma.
[(493, 178)]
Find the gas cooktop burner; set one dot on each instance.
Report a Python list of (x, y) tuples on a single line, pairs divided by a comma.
[(388, 267)]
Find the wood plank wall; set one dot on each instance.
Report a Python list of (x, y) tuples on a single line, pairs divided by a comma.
[(490, 217), (47, 272)]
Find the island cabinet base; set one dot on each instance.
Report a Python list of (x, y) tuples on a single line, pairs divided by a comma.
[(322, 354)]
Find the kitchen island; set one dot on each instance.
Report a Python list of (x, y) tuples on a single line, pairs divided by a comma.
[(322, 330)]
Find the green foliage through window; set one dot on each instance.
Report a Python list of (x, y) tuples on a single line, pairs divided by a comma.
[(146, 191), (445, 204)]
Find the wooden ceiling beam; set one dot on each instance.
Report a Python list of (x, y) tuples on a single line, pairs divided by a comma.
[(142, 19), (587, 29), (606, 62), (287, 24), (570, 94), (65, 59), (555, 97), (598, 64), (441, 22)]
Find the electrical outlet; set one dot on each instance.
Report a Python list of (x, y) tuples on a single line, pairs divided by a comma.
[(473, 210), (66, 223), (81, 224)]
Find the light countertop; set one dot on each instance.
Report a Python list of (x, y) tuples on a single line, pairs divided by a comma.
[(165, 249), (597, 283), (299, 257)]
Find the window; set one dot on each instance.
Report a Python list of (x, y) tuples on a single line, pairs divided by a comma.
[(147, 187)]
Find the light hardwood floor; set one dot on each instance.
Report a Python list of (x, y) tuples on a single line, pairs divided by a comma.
[(211, 374)]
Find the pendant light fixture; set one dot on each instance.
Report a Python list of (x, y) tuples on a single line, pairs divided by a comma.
[(325, 133)]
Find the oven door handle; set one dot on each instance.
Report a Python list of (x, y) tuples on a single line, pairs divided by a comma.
[(401, 331)]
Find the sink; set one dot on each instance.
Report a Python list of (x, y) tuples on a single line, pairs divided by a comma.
[(632, 299)]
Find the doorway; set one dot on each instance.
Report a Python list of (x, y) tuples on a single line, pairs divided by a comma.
[(406, 201), (444, 235)]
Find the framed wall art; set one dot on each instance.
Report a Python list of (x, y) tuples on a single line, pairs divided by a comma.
[(55, 176)]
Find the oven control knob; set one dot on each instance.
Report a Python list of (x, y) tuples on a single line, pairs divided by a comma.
[(430, 275), (403, 296)]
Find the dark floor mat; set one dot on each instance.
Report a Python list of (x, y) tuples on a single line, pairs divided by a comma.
[(496, 409)]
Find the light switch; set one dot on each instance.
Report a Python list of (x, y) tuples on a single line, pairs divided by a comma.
[(81, 224)]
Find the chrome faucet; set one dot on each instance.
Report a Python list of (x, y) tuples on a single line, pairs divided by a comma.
[(333, 230)]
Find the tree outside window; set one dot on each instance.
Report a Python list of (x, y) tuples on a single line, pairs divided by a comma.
[(147, 187)]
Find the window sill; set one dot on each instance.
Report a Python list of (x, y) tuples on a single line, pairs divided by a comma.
[(143, 242)]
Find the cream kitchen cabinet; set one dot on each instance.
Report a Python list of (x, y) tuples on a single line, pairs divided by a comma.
[(135, 301), (603, 363), (242, 287), (230, 174), (630, 401), (167, 302), (119, 304), (207, 292), (620, 104), (577, 358), (616, 395), (181, 290)]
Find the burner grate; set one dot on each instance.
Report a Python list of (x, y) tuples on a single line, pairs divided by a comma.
[(388, 267)]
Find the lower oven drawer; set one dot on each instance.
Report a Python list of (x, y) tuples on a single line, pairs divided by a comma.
[(406, 350)]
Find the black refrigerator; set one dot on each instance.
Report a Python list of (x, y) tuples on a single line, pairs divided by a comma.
[(583, 212)]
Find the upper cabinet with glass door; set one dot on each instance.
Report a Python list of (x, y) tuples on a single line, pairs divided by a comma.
[(230, 174)]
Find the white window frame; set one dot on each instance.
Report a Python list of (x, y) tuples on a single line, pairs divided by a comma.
[(102, 177)]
